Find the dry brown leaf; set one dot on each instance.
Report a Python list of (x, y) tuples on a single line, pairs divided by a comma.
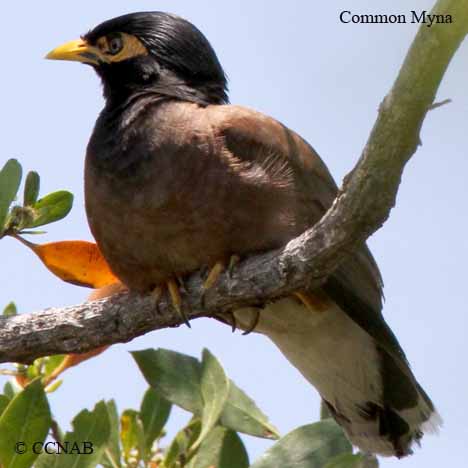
[(80, 263), (76, 262)]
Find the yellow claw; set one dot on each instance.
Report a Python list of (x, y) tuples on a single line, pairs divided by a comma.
[(218, 269), (213, 275), (157, 293), (254, 323), (176, 300)]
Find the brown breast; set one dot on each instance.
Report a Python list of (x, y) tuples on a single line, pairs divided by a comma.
[(182, 200)]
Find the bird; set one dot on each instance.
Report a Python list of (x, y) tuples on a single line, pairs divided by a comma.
[(177, 179)]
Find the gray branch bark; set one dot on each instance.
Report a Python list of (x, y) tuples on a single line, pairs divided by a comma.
[(361, 207)]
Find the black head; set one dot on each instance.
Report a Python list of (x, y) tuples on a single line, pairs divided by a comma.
[(153, 51)]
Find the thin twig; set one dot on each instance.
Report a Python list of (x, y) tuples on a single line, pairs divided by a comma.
[(439, 104)]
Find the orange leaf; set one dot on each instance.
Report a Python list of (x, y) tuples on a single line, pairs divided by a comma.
[(22, 380), (71, 360), (75, 359), (77, 262)]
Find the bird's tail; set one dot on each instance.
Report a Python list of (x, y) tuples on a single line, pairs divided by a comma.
[(391, 424), (370, 393)]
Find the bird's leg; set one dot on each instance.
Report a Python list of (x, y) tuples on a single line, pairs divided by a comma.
[(213, 275), (174, 294), (211, 279), (157, 293), (216, 271), (176, 300)]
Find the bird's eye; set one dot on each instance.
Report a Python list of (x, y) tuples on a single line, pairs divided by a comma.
[(115, 45)]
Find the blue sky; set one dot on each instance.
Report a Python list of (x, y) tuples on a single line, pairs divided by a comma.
[(295, 61)]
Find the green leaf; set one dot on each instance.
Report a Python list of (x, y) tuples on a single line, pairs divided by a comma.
[(52, 362), (51, 208), (214, 390), (19, 217), (10, 390), (111, 456), (177, 377), (174, 375), (31, 188), (222, 448), (10, 179), (10, 310), (4, 400), (26, 419), (345, 460), (154, 413), (368, 461), (131, 433), (32, 233), (54, 386), (180, 445), (45, 460), (34, 370), (243, 415), (310, 446), (88, 427)]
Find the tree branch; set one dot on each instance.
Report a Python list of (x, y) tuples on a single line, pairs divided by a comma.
[(361, 207)]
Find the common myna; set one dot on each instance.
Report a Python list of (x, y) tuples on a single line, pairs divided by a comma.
[(177, 179)]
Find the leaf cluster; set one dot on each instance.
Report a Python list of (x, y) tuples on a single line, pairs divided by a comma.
[(16, 218), (220, 412)]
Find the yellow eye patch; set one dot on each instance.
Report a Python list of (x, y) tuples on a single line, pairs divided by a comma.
[(121, 46)]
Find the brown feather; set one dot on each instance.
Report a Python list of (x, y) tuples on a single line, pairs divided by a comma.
[(184, 186)]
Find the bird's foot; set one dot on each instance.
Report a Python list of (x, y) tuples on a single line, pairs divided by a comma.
[(227, 318), (217, 270), (174, 292), (254, 323), (174, 288), (213, 276)]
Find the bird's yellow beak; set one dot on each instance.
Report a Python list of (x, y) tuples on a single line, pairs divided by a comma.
[(77, 51)]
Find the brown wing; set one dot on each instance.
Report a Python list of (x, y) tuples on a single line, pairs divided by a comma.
[(356, 285), (345, 349)]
